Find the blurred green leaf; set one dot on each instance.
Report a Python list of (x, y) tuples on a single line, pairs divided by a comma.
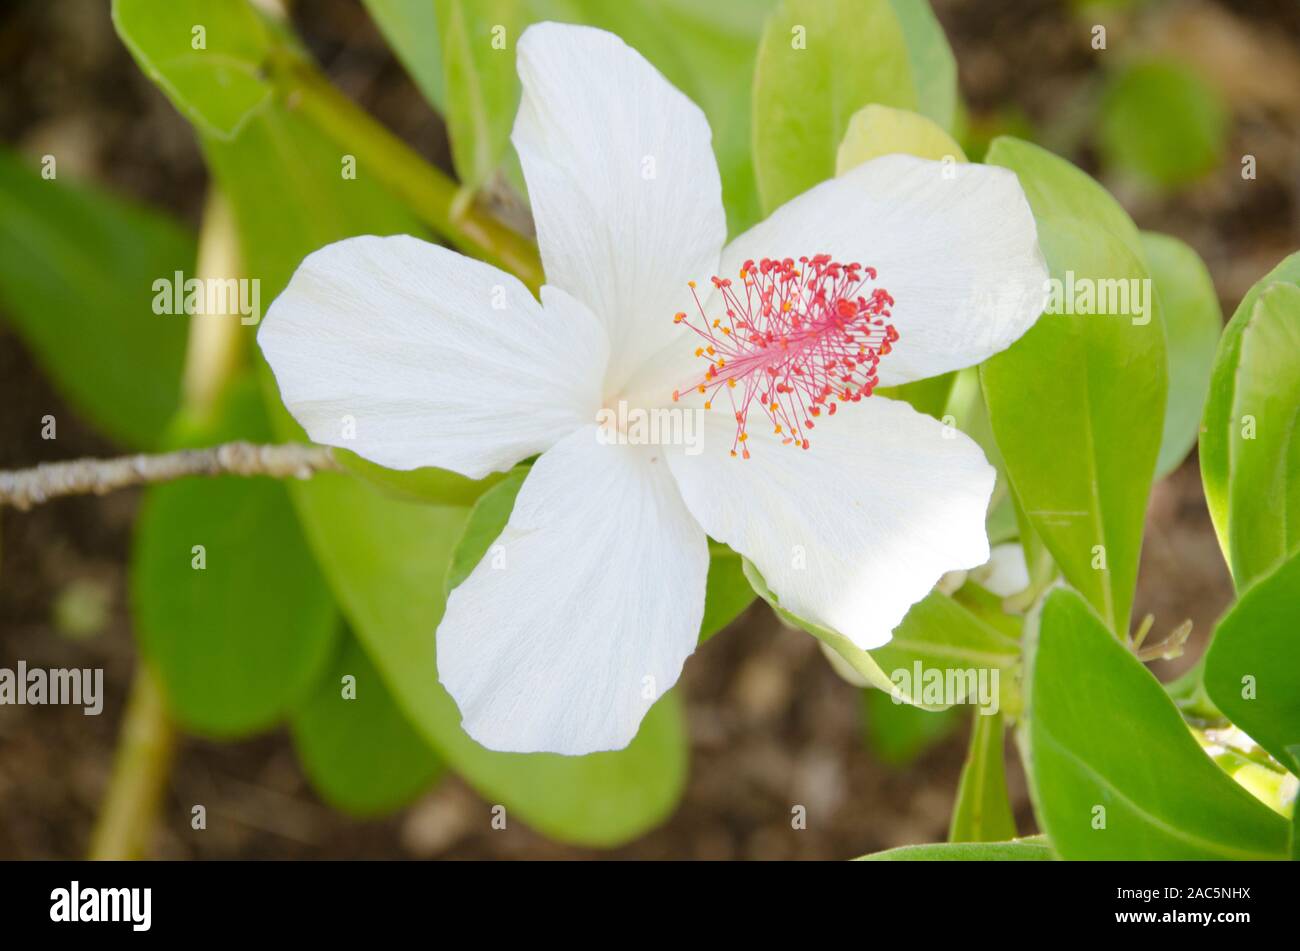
[(240, 630), (76, 281), (1032, 849), (898, 733), (1077, 404), (934, 68), (1193, 323), (361, 753), (1252, 668), (727, 592), (1114, 772), (206, 56), (819, 62), (982, 812), (1163, 122), (1223, 430)]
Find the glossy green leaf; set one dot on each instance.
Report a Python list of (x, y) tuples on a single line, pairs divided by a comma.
[(206, 56), (1032, 849), (1264, 456), (819, 62), (77, 269), (385, 558), (1252, 669), (1193, 322), (982, 812), (1162, 122), (1077, 404), (727, 592), (1223, 431), (359, 750), (934, 68), (898, 733), (228, 603), (1114, 772)]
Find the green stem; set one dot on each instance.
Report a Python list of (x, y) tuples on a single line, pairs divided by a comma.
[(146, 745), (432, 196)]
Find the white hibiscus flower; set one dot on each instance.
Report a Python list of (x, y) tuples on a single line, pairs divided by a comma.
[(898, 270)]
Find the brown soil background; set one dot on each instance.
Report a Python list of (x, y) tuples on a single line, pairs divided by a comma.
[(771, 725)]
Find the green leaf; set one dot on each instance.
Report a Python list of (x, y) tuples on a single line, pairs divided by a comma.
[(934, 68), (76, 275), (478, 57), (1163, 122), (207, 57), (1222, 431), (487, 520), (1114, 772), (982, 812), (361, 753), (1252, 668), (937, 634), (876, 130), (707, 51), (411, 29), (385, 558), (426, 484), (1077, 404), (819, 62), (1193, 322), (1264, 457), (727, 592), (1058, 190), (898, 733), (1032, 849), (241, 640)]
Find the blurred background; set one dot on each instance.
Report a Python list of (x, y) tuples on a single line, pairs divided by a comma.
[(1164, 117)]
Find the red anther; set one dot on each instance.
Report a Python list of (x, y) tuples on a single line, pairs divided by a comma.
[(794, 337)]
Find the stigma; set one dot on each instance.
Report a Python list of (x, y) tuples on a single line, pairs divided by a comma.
[(794, 338)]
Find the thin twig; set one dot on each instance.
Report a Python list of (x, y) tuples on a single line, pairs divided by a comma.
[(24, 488)]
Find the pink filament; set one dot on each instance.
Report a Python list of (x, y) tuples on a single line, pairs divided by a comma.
[(796, 337)]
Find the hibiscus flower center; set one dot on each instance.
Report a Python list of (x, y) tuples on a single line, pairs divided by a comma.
[(797, 337)]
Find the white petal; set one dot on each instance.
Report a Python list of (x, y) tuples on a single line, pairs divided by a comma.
[(855, 530), (955, 245), (623, 184), (584, 610), (413, 355)]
